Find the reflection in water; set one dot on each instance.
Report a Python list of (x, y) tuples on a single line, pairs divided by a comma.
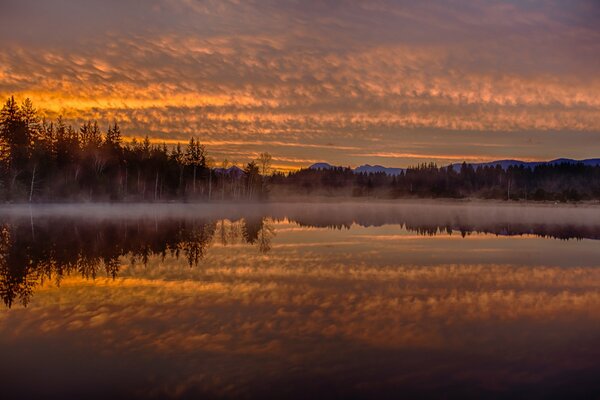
[(312, 302), (47, 247), (35, 250)]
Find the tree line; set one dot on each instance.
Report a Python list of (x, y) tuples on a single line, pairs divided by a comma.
[(558, 182), (47, 161), (551, 182), (52, 161)]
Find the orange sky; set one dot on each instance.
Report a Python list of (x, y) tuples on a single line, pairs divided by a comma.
[(348, 82)]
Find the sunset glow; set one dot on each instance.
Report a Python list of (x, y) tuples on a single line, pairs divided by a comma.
[(387, 82)]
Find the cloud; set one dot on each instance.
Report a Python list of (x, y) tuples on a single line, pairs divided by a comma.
[(312, 72)]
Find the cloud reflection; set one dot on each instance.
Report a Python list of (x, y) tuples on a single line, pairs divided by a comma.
[(322, 300)]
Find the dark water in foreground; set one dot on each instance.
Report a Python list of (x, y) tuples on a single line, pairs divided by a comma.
[(300, 301)]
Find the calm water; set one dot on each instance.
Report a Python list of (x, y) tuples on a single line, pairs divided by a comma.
[(300, 301)]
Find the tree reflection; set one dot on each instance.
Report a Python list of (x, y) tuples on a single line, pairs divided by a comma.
[(431, 224), (36, 249), (266, 234), (51, 248)]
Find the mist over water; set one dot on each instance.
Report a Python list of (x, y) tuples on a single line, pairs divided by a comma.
[(381, 300), (434, 212)]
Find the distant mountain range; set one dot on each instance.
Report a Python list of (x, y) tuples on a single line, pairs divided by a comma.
[(231, 171), (367, 168)]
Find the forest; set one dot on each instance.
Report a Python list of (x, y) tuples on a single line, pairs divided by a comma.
[(52, 161), (43, 161), (565, 182)]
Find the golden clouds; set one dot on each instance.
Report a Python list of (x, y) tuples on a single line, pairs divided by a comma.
[(321, 73)]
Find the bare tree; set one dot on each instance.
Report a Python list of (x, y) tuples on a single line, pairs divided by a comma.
[(209, 164), (224, 166), (264, 161), (195, 156)]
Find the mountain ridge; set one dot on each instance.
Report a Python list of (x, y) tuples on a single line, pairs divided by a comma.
[(504, 164)]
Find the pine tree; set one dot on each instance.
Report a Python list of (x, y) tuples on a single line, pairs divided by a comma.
[(196, 158), (113, 136), (14, 137), (31, 121)]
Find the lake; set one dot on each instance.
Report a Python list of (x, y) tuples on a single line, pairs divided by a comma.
[(335, 300)]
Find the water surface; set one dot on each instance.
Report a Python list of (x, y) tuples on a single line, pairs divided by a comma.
[(300, 300)]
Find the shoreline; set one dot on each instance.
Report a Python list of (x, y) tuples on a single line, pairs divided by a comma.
[(315, 200)]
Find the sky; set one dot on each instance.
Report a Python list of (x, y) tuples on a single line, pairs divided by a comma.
[(395, 83)]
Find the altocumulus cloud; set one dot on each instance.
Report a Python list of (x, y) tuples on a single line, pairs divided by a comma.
[(481, 79)]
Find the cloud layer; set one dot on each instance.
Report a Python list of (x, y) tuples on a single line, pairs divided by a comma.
[(428, 81)]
